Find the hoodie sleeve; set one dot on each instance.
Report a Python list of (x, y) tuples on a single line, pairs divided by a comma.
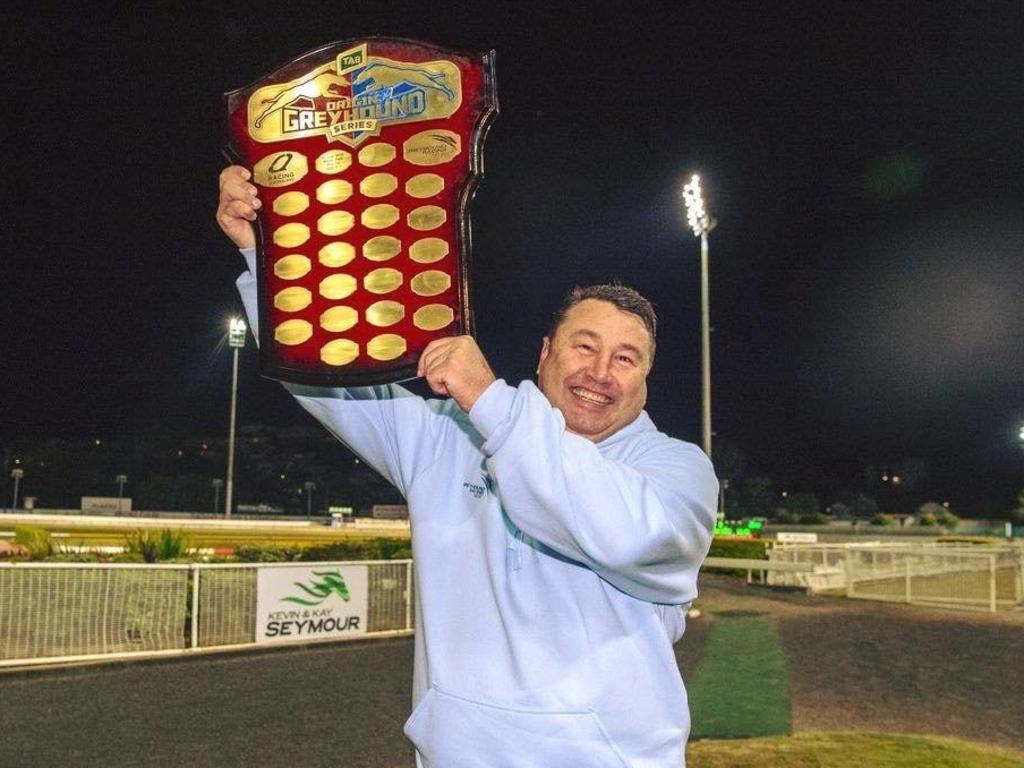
[(392, 430), (643, 523)]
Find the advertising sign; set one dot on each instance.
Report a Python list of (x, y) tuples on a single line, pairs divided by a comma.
[(311, 602)]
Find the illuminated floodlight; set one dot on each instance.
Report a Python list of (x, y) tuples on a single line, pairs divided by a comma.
[(1020, 434), (236, 332), (696, 214)]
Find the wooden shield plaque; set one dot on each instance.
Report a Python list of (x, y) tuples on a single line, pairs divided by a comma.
[(366, 154)]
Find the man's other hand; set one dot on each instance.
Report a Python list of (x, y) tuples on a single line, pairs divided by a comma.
[(237, 206), (456, 367)]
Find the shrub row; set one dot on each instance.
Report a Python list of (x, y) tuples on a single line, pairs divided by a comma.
[(380, 548), (727, 546)]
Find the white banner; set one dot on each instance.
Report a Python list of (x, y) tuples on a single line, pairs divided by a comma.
[(796, 537), (311, 602)]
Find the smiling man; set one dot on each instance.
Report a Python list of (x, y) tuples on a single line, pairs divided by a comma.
[(556, 536)]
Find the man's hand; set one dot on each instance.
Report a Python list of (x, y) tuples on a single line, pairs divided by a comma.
[(237, 206), (456, 367)]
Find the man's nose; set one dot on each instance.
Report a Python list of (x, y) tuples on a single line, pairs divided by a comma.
[(600, 368)]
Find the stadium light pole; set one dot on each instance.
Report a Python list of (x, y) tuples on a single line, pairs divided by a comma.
[(120, 480), (236, 340), (701, 223), (217, 485), (310, 486), (16, 474)]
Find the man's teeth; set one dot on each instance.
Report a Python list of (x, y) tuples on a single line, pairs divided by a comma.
[(592, 397)]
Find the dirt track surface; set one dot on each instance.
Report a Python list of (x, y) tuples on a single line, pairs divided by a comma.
[(853, 666), (864, 666)]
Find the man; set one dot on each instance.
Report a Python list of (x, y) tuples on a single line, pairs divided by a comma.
[(556, 536)]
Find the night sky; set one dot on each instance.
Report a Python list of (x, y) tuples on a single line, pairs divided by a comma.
[(864, 163)]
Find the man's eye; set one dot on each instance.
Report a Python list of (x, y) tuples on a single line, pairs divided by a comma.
[(585, 347), (627, 359)]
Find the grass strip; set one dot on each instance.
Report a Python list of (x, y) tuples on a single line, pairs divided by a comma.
[(850, 750), (741, 686)]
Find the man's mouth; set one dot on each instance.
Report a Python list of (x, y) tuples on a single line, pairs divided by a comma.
[(590, 396)]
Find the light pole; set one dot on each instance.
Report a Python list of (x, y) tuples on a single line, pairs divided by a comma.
[(701, 223), (236, 340), (120, 480), (310, 486), (217, 485), (16, 475)]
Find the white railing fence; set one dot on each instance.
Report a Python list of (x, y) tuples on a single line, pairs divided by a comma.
[(973, 577), (52, 612)]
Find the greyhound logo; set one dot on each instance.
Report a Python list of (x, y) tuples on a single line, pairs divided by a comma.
[(389, 80), (321, 82), (353, 103)]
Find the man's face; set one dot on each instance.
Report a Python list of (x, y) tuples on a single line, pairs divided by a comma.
[(595, 368)]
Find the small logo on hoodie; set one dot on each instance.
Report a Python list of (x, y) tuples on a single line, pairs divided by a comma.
[(478, 489)]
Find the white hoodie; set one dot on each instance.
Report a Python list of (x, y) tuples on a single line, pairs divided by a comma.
[(552, 573)]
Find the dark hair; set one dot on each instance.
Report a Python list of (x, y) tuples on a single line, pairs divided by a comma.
[(621, 296)]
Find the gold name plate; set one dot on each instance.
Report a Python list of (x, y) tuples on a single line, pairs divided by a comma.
[(366, 154)]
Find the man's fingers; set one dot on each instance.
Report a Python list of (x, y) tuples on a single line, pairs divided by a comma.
[(234, 174), (238, 209), (431, 353)]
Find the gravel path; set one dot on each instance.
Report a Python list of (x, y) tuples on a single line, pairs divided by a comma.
[(863, 666)]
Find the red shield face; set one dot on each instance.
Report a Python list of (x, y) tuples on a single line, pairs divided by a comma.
[(365, 154)]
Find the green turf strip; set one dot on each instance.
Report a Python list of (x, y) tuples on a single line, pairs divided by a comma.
[(741, 688), (850, 750)]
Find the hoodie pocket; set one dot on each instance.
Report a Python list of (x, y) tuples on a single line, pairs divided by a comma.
[(453, 732)]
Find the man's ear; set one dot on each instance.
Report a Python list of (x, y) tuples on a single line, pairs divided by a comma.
[(544, 350)]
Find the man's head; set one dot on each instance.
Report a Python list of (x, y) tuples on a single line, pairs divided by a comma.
[(596, 357)]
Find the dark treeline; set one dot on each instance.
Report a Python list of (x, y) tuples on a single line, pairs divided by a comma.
[(169, 473)]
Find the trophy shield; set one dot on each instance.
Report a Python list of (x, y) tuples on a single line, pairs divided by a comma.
[(366, 154)]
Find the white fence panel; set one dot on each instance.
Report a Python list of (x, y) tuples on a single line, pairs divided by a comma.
[(970, 577), (89, 609), (60, 611)]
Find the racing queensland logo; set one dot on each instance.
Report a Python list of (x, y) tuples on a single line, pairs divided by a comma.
[(353, 97), (310, 603)]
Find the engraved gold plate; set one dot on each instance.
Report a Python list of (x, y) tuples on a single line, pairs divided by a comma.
[(384, 313), (380, 216), (280, 169), (366, 153), (335, 223), (383, 280), (339, 352), (292, 267), (334, 191), (387, 346), (378, 185), (292, 332), (291, 203), (336, 254), (434, 147), (376, 155), (293, 299), (291, 235), (382, 248), (433, 317), (338, 319), (424, 185), (333, 161), (337, 286), (426, 217), (431, 283), (428, 250)]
